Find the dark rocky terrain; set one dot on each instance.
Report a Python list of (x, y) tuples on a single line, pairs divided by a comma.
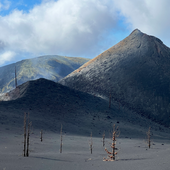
[(52, 67), (51, 104), (136, 72)]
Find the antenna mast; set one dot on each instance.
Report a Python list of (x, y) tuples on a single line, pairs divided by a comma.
[(15, 77)]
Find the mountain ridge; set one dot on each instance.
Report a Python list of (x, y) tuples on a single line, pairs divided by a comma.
[(51, 104), (53, 67), (136, 73), (118, 46)]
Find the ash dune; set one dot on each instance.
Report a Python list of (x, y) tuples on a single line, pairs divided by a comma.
[(51, 104), (136, 72), (52, 67)]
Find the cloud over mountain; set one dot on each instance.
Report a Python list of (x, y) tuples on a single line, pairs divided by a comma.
[(83, 28), (151, 16), (62, 27)]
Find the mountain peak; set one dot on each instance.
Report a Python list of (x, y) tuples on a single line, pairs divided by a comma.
[(137, 66), (136, 33)]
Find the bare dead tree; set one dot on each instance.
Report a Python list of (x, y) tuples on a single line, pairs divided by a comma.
[(91, 144), (103, 139), (61, 140), (149, 137), (41, 133), (25, 132), (28, 136), (111, 155)]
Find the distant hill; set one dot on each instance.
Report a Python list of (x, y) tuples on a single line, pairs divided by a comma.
[(51, 104), (136, 72), (52, 67)]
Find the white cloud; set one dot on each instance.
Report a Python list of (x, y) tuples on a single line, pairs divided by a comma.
[(150, 16), (5, 5), (6, 56), (65, 27), (80, 27)]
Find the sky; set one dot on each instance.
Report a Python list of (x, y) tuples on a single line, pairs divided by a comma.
[(76, 28)]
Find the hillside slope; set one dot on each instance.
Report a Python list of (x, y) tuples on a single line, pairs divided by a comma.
[(50, 67), (136, 72), (51, 104)]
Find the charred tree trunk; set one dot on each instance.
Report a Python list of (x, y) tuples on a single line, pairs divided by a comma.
[(28, 135), (91, 144), (41, 138), (25, 132), (103, 139), (111, 155), (113, 145), (149, 137)]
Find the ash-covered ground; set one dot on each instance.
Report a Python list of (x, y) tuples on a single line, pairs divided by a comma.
[(132, 153), (50, 105)]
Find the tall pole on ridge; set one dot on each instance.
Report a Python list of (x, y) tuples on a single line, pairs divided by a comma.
[(15, 78)]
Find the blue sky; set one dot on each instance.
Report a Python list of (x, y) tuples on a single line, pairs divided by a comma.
[(24, 5), (78, 28)]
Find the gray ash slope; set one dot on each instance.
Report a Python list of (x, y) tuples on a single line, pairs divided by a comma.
[(52, 67), (51, 104), (136, 71)]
